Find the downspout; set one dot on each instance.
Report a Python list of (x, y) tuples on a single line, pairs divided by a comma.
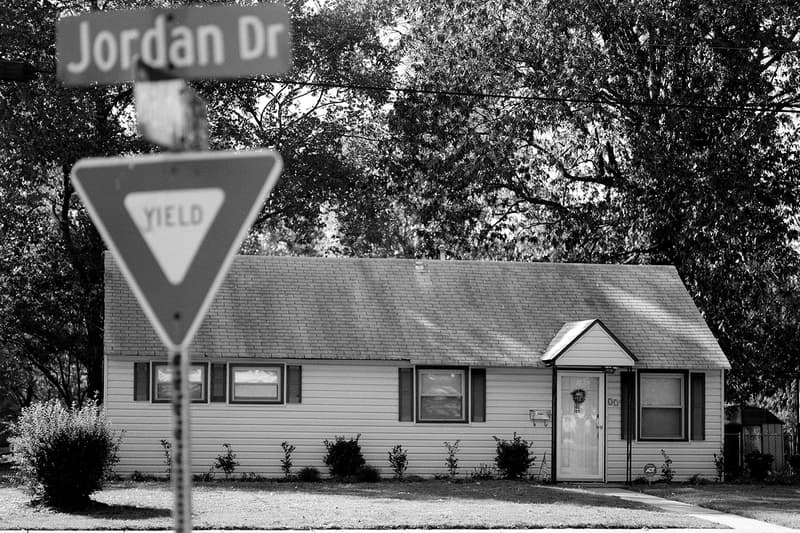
[(629, 433), (555, 417), (796, 440)]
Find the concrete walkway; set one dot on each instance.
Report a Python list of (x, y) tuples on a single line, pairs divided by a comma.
[(735, 522)]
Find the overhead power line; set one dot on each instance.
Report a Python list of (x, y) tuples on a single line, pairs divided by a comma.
[(764, 107)]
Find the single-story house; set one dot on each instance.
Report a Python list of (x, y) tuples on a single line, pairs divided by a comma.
[(599, 367)]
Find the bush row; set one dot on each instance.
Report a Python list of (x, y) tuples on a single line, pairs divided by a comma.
[(345, 461), (63, 454)]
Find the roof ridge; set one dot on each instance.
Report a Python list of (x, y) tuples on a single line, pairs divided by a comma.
[(434, 261)]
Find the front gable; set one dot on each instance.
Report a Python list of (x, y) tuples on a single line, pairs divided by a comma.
[(587, 343)]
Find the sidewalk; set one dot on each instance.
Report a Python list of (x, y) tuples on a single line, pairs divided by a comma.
[(735, 522)]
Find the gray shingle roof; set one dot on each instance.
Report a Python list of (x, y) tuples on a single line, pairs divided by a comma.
[(429, 312)]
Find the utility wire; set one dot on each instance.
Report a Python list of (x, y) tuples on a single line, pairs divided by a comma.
[(708, 43), (775, 108)]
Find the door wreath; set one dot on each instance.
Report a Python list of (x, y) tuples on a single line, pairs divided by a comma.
[(578, 396)]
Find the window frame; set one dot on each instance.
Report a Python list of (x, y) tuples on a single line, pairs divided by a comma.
[(154, 366), (643, 375), (281, 396), (465, 394)]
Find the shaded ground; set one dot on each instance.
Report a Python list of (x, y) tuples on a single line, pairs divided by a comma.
[(278, 505), (771, 503)]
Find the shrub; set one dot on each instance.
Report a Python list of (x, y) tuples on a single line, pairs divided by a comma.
[(344, 458), (451, 461), (794, 463), (286, 462), (250, 476), (63, 454), (513, 459), (227, 462), (166, 446), (719, 465), (667, 473), (398, 458), (781, 478), (698, 479), (308, 473), (482, 472), (369, 474), (204, 477), (758, 464)]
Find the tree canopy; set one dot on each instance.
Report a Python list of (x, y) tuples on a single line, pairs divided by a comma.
[(651, 132), (529, 130), (51, 267)]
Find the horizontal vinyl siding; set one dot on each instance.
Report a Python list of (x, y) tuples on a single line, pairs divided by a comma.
[(338, 399), (594, 348), (688, 458)]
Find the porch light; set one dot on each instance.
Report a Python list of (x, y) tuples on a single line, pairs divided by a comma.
[(610, 369)]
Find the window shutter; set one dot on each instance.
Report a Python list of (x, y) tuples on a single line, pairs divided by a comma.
[(628, 404), (294, 384), (141, 382), (698, 398), (478, 394), (406, 388), (218, 382)]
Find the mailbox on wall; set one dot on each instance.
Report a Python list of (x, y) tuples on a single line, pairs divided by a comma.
[(540, 416)]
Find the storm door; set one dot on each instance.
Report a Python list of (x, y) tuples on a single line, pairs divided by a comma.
[(580, 434)]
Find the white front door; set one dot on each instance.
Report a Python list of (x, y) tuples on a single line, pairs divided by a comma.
[(580, 421)]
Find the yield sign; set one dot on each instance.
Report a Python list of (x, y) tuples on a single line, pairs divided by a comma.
[(174, 223)]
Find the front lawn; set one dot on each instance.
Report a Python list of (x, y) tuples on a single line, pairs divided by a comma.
[(776, 504), (328, 505)]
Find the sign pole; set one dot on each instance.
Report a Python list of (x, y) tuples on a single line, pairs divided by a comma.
[(181, 445), (176, 219)]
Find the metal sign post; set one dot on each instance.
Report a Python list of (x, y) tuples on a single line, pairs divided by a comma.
[(174, 222), (181, 445)]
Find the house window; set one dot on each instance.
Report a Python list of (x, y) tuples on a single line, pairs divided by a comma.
[(662, 406), (256, 383), (442, 395), (162, 382)]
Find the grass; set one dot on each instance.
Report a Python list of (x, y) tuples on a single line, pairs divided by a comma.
[(426, 504), (776, 504)]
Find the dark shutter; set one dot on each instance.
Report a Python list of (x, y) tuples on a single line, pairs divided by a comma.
[(218, 382), (698, 399), (294, 384), (141, 382), (406, 387), (628, 404), (478, 394)]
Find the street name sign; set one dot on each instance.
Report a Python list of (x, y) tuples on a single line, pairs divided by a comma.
[(216, 41), (174, 223)]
